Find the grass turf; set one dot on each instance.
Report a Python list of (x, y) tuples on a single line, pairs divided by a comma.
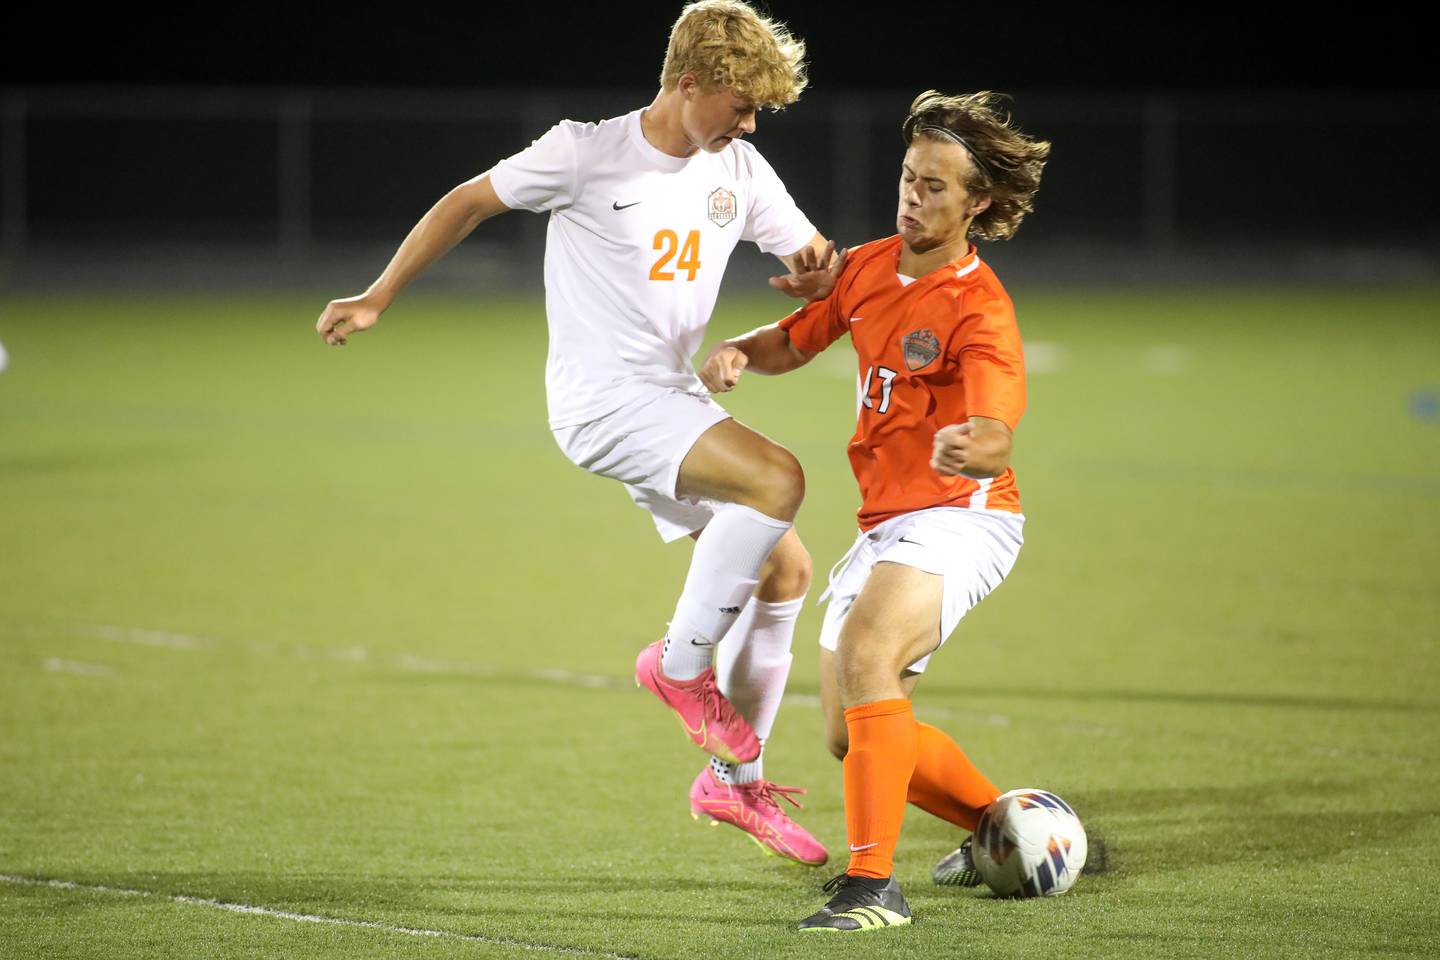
[(341, 633)]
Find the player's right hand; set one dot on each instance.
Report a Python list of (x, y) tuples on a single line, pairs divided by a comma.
[(815, 274), (721, 370), (344, 317)]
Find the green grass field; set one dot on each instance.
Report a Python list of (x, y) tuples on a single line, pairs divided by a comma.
[(340, 633)]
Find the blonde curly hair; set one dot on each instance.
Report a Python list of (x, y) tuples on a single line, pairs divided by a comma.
[(726, 43), (1007, 163)]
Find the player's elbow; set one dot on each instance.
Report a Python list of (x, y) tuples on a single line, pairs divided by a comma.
[(770, 351)]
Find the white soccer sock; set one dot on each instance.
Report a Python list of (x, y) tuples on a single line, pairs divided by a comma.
[(724, 571), (733, 773), (751, 668)]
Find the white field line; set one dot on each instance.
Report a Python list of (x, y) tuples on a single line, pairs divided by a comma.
[(1044, 356), (313, 918), (1167, 360), (419, 664), (79, 668), (152, 638), (839, 364)]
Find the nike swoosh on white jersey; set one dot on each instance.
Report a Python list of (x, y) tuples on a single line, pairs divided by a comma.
[(863, 846)]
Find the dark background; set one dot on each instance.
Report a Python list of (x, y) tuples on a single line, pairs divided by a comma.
[(1187, 140), (1160, 47)]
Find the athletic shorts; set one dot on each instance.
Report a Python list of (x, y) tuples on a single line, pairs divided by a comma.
[(642, 445), (973, 550)]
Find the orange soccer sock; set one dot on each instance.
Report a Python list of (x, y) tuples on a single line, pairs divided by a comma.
[(883, 739), (945, 782)]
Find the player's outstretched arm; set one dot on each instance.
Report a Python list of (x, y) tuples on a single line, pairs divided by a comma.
[(447, 223), (978, 448), (767, 350)]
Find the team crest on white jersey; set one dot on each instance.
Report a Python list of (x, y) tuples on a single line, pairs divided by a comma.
[(722, 206), (921, 348)]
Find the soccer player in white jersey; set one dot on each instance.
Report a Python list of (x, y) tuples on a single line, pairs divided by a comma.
[(644, 212)]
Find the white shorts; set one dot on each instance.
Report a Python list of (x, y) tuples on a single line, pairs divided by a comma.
[(642, 445), (973, 550)]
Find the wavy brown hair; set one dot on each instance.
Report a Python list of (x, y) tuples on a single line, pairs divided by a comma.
[(1007, 163), (725, 43)]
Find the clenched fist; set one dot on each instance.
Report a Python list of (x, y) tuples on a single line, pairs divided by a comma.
[(953, 446), (722, 369), (977, 449)]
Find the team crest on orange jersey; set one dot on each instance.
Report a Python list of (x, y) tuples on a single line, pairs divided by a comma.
[(921, 348), (722, 206)]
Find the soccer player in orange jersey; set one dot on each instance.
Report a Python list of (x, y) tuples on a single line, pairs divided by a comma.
[(942, 388)]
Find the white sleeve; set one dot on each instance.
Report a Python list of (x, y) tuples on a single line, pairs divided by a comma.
[(773, 222), (542, 176)]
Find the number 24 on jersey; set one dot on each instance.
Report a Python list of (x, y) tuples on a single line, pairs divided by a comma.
[(668, 243)]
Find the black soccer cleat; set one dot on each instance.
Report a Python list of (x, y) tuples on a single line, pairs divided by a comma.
[(859, 903), (958, 868)]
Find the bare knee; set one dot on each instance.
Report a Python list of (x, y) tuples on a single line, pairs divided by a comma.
[(734, 464), (787, 572), (777, 485)]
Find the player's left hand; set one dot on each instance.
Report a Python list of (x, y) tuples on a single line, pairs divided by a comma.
[(954, 446), (813, 275)]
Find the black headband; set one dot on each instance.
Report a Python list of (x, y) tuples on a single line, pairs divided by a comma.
[(952, 135)]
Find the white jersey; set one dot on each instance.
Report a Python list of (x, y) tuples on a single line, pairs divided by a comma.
[(636, 246)]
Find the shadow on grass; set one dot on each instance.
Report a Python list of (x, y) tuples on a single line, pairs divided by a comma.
[(1173, 829), (976, 700), (972, 697), (91, 459)]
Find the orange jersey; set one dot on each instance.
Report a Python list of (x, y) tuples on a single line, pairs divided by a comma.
[(932, 352)]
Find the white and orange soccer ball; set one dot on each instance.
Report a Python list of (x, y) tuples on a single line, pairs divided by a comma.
[(1029, 843)]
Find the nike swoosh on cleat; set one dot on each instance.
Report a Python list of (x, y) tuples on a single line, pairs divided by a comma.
[(615, 205)]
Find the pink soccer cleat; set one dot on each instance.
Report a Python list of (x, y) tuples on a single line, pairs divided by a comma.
[(752, 808), (708, 718)]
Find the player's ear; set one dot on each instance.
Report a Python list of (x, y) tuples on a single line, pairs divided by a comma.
[(978, 205), (688, 85)]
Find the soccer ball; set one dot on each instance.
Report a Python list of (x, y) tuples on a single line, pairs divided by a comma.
[(1029, 843)]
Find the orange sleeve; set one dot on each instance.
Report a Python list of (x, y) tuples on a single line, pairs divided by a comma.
[(817, 324), (992, 361)]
